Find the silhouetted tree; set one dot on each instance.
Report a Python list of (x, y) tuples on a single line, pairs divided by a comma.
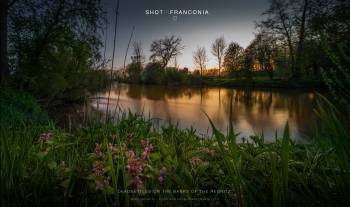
[(200, 58), (164, 50), (265, 52), (55, 45), (248, 61), (153, 73), (233, 58), (138, 56), (280, 22), (293, 22), (135, 68), (217, 49)]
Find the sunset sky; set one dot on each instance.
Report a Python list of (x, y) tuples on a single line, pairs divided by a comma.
[(233, 19)]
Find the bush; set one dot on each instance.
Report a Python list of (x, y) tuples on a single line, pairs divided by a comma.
[(134, 72), (18, 107), (173, 76), (153, 74)]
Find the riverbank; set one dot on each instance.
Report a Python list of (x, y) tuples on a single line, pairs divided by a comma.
[(266, 83), (257, 82), (130, 163)]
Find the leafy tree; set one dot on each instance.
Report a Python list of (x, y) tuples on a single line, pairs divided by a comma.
[(153, 73), (233, 58), (172, 76), (55, 46), (265, 52), (134, 72), (288, 20), (217, 49), (248, 61), (135, 68), (200, 58), (164, 50)]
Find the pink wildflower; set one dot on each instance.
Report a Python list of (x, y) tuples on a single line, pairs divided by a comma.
[(161, 177), (210, 152), (135, 168), (45, 137), (137, 182), (99, 185), (98, 151), (195, 160), (161, 180), (162, 171), (130, 153), (98, 168), (148, 147), (112, 148)]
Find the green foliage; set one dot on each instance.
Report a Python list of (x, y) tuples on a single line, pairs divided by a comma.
[(233, 59), (134, 72), (337, 75), (153, 73), (336, 130), (41, 165), (55, 47), (19, 107), (173, 76)]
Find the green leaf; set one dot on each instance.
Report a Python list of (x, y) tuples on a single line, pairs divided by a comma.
[(52, 165)]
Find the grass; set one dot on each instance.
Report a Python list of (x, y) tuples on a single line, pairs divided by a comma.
[(94, 166)]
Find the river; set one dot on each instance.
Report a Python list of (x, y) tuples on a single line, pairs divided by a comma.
[(253, 111)]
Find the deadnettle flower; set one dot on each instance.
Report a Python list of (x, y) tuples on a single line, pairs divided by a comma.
[(45, 137), (161, 180), (161, 177), (136, 182), (112, 148), (98, 151), (98, 168), (195, 160), (148, 147), (130, 154), (162, 171), (135, 168), (99, 185), (209, 151)]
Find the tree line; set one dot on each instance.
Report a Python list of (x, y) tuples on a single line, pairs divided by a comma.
[(290, 43)]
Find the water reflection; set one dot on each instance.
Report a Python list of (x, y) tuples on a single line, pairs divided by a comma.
[(253, 111)]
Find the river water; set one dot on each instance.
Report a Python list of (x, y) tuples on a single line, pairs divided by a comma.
[(253, 111)]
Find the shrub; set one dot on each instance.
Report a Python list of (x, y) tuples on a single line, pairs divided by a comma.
[(153, 73), (173, 76), (134, 72)]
